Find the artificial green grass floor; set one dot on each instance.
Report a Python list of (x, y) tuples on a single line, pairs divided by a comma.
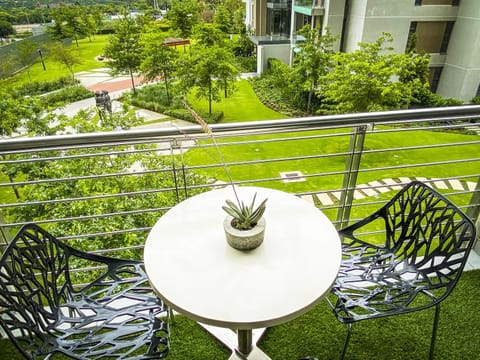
[(319, 334)]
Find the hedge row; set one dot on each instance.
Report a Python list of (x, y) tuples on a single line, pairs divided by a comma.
[(42, 87)]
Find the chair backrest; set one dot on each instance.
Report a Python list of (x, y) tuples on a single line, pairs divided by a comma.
[(428, 231), (33, 283)]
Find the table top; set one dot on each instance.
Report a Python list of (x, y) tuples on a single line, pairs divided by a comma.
[(193, 269)]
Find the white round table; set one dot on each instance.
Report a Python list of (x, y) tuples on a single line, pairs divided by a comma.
[(194, 270)]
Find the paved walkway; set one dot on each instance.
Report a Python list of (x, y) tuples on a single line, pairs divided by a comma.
[(101, 79), (374, 188)]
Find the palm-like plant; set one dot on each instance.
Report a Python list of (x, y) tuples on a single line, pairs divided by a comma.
[(245, 216)]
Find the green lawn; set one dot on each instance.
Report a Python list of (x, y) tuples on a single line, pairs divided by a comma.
[(242, 105), (87, 51), (326, 172), (318, 333), (332, 162)]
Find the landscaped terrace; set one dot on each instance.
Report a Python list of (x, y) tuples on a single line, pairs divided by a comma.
[(104, 191)]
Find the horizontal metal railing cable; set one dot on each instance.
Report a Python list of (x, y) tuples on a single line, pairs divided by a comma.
[(172, 143), (454, 113)]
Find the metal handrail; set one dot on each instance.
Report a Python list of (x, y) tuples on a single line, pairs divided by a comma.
[(338, 121), (342, 186)]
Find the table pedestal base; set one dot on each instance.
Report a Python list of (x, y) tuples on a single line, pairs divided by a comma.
[(243, 340)]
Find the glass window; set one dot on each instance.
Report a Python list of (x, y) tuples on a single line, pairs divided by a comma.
[(278, 22), (432, 36), (437, 2), (434, 77)]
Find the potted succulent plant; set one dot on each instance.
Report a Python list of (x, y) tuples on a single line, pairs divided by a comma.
[(244, 225)]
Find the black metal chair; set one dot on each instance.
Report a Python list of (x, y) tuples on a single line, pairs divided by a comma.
[(56, 299), (426, 242)]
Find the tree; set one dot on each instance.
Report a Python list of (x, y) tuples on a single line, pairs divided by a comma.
[(236, 11), (19, 113), (5, 16), (209, 35), (59, 30), (76, 22), (6, 29), (313, 59), (210, 71), (184, 15), (222, 19), (416, 73), (159, 60), (366, 80), (64, 55), (91, 25), (243, 47), (227, 75), (121, 195), (125, 48), (70, 21)]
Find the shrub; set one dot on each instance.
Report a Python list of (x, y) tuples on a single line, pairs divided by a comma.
[(246, 64), (41, 87), (184, 114), (67, 95), (153, 97)]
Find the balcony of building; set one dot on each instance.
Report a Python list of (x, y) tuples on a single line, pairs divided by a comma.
[(103, 192), (310, 7), (343, 164)]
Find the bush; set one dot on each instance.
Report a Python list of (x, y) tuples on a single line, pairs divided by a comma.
[(448, 102), (41, 87), (476, 100), (67, 95), (154, 98), (184, 114), (246, 64)]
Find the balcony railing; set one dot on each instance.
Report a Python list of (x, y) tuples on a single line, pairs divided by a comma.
[(310, 7), (104, 191), (313, 4)]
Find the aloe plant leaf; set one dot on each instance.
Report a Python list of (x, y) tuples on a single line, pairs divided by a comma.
[(230, 211)]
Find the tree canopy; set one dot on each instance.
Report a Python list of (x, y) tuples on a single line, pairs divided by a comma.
[(125, 49), (368, 79), (313, 59), (159, 60), (209, 69), (184, 15)]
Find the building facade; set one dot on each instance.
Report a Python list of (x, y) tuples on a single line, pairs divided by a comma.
[(448, 30)]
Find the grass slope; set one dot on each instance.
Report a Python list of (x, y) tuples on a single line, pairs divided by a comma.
[(87, 51), (242, 105)]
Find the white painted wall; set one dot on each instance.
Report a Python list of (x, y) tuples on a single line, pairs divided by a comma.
[(333, 19), (277, 51), (368, 19), (461, 73)]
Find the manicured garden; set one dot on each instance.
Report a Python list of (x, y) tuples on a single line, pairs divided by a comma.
[(87, 51)]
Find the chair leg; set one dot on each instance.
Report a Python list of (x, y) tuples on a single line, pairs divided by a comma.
[(434, 331), (347, 340), (170, 315)]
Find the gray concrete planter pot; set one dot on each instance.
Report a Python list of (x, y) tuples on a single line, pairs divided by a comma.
[(244, 239)]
